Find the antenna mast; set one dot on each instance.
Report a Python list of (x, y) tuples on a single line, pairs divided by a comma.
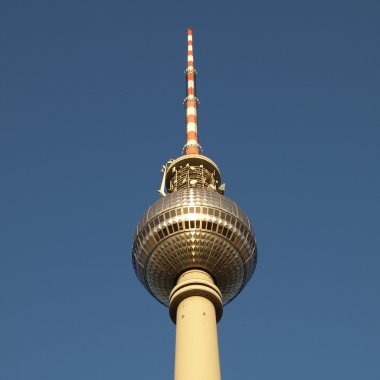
[(191, 101)]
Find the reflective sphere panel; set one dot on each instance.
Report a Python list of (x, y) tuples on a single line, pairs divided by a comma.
[(194, 228)]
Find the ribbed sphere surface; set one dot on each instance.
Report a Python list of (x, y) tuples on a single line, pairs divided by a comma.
[(194, 228)]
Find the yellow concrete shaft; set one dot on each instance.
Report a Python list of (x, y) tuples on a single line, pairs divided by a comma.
[(196, 347)]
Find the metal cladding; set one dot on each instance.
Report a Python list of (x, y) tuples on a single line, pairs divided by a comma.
[(194, 228), (193, 225), (191, 101)]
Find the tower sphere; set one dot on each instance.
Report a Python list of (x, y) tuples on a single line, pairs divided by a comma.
[(194, 228)]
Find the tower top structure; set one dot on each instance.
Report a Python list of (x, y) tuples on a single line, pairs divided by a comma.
[(193, 225)]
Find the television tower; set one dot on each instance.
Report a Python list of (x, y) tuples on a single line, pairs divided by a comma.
[(194, 249)]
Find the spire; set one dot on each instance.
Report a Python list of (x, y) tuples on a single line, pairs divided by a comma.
[(191, 101)]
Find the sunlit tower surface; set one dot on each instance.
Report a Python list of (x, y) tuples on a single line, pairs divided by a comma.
[(194, 249)]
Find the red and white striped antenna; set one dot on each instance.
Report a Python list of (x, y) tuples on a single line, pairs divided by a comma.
[(191, 101)]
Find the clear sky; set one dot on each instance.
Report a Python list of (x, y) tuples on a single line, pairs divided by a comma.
[(91, 107)]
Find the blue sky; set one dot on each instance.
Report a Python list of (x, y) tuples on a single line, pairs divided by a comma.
[(91, 107)]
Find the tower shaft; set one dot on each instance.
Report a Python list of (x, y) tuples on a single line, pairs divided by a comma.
[(196, 347)]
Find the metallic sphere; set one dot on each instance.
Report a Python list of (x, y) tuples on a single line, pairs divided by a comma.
[(194, 228)]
